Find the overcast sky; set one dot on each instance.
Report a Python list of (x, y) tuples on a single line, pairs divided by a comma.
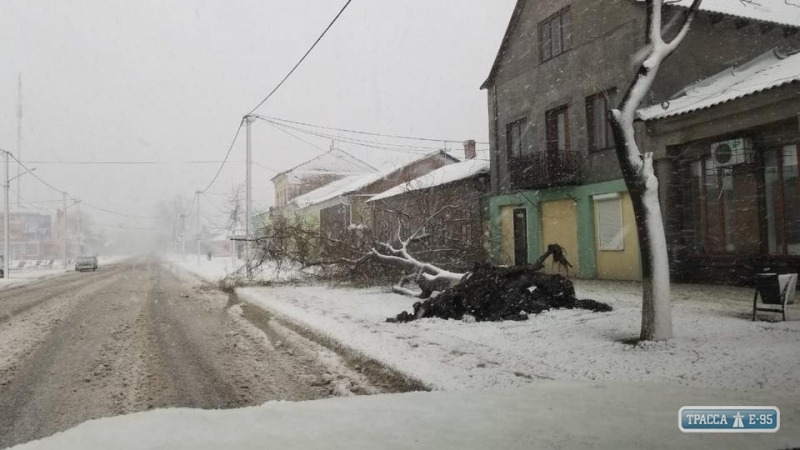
[(168, 81)]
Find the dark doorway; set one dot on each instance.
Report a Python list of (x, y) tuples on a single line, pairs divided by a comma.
[(520, 236)]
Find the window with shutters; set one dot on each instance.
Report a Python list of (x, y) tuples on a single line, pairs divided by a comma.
[(610, 233)]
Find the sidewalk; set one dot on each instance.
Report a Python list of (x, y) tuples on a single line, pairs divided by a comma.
[(715, 343)]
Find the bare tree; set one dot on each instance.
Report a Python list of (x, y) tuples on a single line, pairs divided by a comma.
[(638, 171)]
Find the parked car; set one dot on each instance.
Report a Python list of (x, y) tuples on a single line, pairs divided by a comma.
[(83, 263)]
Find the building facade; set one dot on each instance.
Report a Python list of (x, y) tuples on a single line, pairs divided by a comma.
[(447, 207), (561, 66)]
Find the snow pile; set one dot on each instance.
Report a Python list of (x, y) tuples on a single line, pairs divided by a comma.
[(548, 415), (715, 344), (440, 176), (24, 277)]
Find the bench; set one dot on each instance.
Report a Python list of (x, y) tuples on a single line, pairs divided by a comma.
[(776, 291)]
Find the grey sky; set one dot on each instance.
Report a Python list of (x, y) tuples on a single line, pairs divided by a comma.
[(162, 80)]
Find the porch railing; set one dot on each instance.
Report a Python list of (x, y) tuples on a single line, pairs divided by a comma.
[(543, 170)]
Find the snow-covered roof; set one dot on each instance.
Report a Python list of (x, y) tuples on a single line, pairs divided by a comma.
[(779, 12), (767, 71), (354, 183), (335, 161), (347, 185), (331, 190), (441, 176)]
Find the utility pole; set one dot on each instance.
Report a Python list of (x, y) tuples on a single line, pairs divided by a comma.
[(248, 195), (19, 138), (183, 236), (197, 237), (6, 221), (80, 234), (64, 229)]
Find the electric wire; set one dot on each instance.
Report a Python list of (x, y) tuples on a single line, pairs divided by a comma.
[(301, 59), (345, 130), (233, 142)]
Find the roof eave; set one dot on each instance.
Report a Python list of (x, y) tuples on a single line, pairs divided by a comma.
[(512, 24)]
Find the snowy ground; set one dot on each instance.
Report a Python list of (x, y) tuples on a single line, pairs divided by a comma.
[(715, 344), (218, 268), (564, 379), (25, 276), (571, 415)]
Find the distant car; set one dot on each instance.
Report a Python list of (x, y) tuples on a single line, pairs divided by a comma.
[(83, 263)]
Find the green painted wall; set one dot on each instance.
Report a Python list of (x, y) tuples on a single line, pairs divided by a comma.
[(530, 200)]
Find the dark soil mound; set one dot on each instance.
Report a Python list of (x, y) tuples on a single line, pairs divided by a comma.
[(500, 293)]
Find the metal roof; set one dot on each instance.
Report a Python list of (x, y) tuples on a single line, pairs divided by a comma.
[(765, 72)]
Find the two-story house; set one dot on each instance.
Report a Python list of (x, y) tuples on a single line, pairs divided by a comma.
[(561, 66), (315, 173)]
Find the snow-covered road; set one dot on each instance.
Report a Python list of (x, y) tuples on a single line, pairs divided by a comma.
[(135, 336)]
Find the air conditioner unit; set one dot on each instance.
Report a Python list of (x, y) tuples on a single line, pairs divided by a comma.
[(732, 152)]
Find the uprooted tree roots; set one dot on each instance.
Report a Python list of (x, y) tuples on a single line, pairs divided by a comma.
[(500, 293)]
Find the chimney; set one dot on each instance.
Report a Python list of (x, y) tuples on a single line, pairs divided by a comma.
[(469, 150)]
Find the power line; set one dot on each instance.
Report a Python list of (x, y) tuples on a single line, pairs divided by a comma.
[(116, 212), (27, 202), (29, 171), (301, 59), (233, 142), (274, 125), (395, 136), (352, 139), (369, 144), (33, 174), (129, 163), (124, 227)]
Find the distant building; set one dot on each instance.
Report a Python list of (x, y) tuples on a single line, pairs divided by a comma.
[(448, 204), (341, 205), (315, 173), (32, 235)]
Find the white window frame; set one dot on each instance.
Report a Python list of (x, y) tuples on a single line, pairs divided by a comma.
[(617, 243)]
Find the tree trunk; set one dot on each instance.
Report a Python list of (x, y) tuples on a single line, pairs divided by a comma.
[(640, 178), (656, 311)]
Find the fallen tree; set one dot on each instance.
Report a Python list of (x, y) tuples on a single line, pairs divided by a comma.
[(490, 293)]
